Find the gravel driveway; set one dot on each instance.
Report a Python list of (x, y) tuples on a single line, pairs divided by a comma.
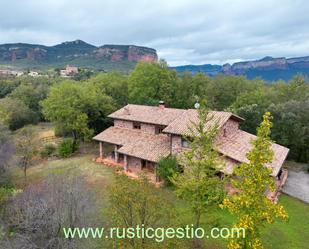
[(297, 185)]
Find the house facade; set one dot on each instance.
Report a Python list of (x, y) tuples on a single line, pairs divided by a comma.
[(142, 135), (69, 71)]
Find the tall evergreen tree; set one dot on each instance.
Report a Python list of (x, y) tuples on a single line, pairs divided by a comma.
[(199, 183)]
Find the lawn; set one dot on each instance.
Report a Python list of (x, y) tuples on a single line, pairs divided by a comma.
[(280, 235)]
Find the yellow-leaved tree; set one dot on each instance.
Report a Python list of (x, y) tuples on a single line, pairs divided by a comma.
[(250, 206)]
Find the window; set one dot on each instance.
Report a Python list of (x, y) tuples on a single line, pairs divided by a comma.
[(185, 143), (224, 132), (159, 129), (137, 125)]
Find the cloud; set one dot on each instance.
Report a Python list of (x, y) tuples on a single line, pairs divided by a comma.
[(182, 31)]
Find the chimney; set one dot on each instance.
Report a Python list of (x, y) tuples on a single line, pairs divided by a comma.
[(161, 104), (126, 110)]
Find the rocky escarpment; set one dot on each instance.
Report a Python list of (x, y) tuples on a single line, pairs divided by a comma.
[(267, 63), (268, 68), (13, 52), (75, 52), (122, 52)]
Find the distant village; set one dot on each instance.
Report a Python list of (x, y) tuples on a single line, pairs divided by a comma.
[(67, 72)]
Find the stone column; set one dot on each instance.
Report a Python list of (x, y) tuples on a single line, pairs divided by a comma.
[(116, 154), (101, 150), (156, 175), (125, 161)]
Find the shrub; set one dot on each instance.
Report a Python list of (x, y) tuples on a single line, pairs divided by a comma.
[(67, 147), (61, 132), (49, 150), (167, 167)]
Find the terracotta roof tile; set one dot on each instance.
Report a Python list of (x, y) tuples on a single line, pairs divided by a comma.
[(147, 114), (181, 125), (152, 147), (238, 144), (137, 143)]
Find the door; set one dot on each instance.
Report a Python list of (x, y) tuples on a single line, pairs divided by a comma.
[(144, 164)]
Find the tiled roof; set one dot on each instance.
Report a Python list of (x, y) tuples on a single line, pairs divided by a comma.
[(152, 147), (237, 144), (137, 143), (182, 124), (147, 114)]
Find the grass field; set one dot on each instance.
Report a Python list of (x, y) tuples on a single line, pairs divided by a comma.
[(281, 235)]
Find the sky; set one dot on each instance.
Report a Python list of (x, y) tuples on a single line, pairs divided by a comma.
[(182, 31)]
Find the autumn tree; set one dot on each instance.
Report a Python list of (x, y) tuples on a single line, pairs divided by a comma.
[(199, 183), (250, 206), (39, 213)]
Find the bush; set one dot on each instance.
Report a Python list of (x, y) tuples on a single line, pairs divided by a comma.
[(167, 167), (61, 132), (49, 150), (67, 147)]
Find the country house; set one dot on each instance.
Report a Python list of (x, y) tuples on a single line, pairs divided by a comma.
[(142, 135)]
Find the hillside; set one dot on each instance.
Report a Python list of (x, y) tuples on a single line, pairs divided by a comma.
[(79, 53), (268, 68)]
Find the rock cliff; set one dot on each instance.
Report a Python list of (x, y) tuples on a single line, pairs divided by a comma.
[(74, 52), (268, 68)]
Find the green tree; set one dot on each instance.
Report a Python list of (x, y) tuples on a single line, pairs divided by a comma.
[(113, 84), (15, 114), (252, 105), (199, 183), (78, 108), (184, 92), (223, 90), (291, 128), (31, 96), (7, 85), (296, 89), (250, 206), (151, 82)]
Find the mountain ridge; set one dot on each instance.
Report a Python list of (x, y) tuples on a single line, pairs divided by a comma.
[(267, 68), (78, 52)]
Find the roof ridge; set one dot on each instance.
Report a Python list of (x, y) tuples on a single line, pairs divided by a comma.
[(155, 106)]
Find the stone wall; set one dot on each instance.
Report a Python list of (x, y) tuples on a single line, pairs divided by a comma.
[(228, 128), (149, 128), (123, 124), (230, 165), (176, 144), (134, 164)]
